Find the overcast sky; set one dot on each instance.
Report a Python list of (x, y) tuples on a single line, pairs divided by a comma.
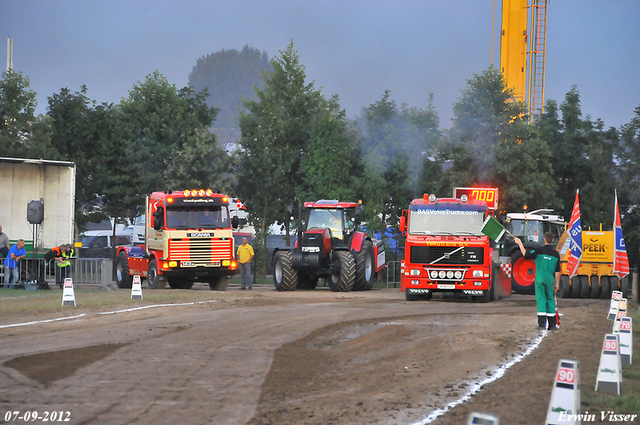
[(354, 48)]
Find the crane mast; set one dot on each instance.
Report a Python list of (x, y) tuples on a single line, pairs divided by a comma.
[(522, 51)]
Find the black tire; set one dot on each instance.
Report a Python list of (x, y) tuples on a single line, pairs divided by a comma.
[(365, 268), (614, 283), (123, 279), (575, 287), (154, 281), (410, 297), (595, 287), (344, 272), (187, 284), (484, 298), (307, 282), (176, 283), (605, 288), (624, 286), (219, 283), (584, 287), (285, 277), (565, 286), (523, 274)]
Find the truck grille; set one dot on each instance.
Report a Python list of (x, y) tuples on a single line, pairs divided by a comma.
[(204, 251), (429, 254)]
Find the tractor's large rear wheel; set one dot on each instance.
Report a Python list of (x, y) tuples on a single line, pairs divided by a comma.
[(123, 280), (523, 274), (285, 277), (365, 266), (344, 272)]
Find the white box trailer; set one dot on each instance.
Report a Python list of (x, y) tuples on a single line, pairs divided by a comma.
[(51, 182)]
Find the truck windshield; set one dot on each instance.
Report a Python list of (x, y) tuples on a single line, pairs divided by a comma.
[(206, 217), (534, 230), (331, 218), (426, 221)]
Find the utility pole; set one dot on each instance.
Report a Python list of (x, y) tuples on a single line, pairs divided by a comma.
[(9, 54)]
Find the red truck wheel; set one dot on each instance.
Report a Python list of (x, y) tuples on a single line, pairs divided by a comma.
[(523, 274)]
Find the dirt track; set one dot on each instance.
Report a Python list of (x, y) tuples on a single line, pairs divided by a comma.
[(307, 357)]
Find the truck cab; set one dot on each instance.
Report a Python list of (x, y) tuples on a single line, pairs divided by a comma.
[(445, 249), (188, 238)]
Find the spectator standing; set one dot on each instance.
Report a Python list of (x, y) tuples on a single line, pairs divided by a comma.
[(12, 270), (4, 244), (244, 256)]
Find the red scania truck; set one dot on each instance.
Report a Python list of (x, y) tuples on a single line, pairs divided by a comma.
[(445, 250), (188, 238)]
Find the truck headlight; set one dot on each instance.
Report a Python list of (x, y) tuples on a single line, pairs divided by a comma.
[(415, 272), (477, 273)]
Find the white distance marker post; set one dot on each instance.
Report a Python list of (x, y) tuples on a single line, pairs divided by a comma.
[(621, 313), (68, 297), (477, 418), (564, 407), (609, 378), (616, 296), (625, 336), (136, 288)]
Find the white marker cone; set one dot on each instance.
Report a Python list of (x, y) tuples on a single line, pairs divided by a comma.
[(610, 369), (136, 288), (626, 340), (616, 296), (564, 407), (68, 297)]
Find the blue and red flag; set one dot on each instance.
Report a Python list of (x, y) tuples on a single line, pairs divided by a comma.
[(620, 259), (575, 239)]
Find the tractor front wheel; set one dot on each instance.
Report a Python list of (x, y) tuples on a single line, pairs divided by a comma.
[(344, 272), (285, 277), (365, 266)]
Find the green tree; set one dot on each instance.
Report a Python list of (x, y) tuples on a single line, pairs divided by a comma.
[(491, 144), (275, 131), (158, 125), (17, 115), (73, 135), (397, 147), (229, 75), (295, 143), (628, 157), (583, 158)]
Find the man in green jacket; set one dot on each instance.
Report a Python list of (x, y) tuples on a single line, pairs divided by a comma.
[(547, 279)]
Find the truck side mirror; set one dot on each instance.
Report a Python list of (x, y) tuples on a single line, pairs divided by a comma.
[(357, 212), (403, 224), (290, 209), (158, 219), (234, 222)]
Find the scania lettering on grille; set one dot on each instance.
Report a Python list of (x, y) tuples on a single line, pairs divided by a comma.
[(200, 235)]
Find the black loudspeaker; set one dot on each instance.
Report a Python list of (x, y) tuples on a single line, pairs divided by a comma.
[(35, 212)]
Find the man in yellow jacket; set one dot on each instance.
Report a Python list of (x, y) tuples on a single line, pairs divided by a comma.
[(244, 256)]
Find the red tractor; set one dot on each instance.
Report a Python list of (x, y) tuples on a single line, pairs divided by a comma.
[(330, 246)]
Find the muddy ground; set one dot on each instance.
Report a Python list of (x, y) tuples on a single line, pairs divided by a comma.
[(307, 357)]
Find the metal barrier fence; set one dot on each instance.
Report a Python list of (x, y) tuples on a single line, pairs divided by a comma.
[(393, 273), (83, 271)]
